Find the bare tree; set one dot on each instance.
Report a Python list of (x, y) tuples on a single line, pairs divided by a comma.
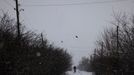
[(115, 55)]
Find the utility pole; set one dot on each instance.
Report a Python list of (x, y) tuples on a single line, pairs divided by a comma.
[(18, 21), (102, 49), (118, 40), (42, 40)]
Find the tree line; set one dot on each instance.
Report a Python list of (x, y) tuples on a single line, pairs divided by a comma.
[(31, 54), (114, 52)]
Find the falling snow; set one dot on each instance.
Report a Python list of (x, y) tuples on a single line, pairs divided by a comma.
[(38, 54)]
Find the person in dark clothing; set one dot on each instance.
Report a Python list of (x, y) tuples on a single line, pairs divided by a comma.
[(74, 68)]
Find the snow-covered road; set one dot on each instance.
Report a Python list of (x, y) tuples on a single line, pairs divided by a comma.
[(79, 73)]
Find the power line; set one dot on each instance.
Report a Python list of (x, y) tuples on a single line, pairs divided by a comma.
[(80, 48), (80, 3)]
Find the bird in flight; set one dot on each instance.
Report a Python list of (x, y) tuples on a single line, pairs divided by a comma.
[(61, 41), (76, 36)]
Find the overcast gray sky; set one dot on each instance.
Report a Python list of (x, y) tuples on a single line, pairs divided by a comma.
[(62, 20)]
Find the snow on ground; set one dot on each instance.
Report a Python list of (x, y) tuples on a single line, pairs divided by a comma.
[(79, 73)]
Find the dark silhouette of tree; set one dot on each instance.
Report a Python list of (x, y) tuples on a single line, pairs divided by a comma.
[(110, 59), (84, 64), (31, 56)]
